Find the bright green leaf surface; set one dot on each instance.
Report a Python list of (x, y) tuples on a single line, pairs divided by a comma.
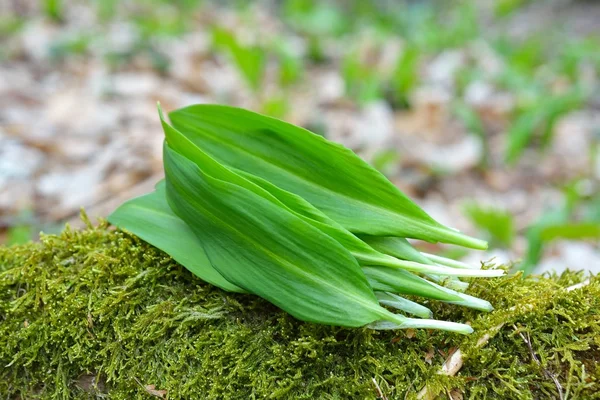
[(304, 210), (328, 175), (151, 218), (269, 251), (365, 254)]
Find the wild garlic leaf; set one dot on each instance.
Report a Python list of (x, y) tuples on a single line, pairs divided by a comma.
[(272, 253), (277, 196), (150, 218), (308, 213), (327, 175)]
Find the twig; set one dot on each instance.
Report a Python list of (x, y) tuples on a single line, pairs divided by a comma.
[(451, 366), (485, 338), (578, 286), (454, 363), (547, 373), (379, 391)]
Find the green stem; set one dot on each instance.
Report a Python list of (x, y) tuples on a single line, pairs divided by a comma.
[(400, 303), (451, 282), (451, 236), (392, 262), (400, 322), (449, 262)]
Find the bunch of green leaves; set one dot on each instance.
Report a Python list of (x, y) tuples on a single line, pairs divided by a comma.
[(530, 74), (253, 204)]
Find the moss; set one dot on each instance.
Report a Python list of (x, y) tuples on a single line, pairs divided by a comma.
[(96, 312)]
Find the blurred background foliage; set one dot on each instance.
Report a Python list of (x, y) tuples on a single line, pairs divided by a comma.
[(487, 113)]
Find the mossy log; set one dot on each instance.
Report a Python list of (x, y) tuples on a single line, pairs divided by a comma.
[(98, 313)]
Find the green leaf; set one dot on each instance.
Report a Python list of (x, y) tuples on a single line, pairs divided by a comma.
[(402, 249), (406, 74), (573, 230), (151, 218), (535, 242), (261, 246), (328, 175), (543, 115), (520, 134), (53, 9), (19, 234), (397, 247), (474, 124)]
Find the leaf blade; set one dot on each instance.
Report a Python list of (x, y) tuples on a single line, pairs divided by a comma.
[(151, 218), (326, 174)]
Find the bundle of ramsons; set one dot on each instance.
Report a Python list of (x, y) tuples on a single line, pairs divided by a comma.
[(253, 204)]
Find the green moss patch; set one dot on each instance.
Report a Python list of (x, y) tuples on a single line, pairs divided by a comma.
[(98, 313)]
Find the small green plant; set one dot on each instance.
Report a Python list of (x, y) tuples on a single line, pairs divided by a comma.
[(474, 125), (249, 60), (364, 83), (19, 234), (538, 120), (497, 223), (71, 46), (277, 106), (53, 9), (291, 65), (405, 76), (386, 161), (22, 229), (504, 8), (253, 204)]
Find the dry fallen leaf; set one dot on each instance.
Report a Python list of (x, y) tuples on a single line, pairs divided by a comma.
[(455, 394), (429, 355), (151, 389)]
